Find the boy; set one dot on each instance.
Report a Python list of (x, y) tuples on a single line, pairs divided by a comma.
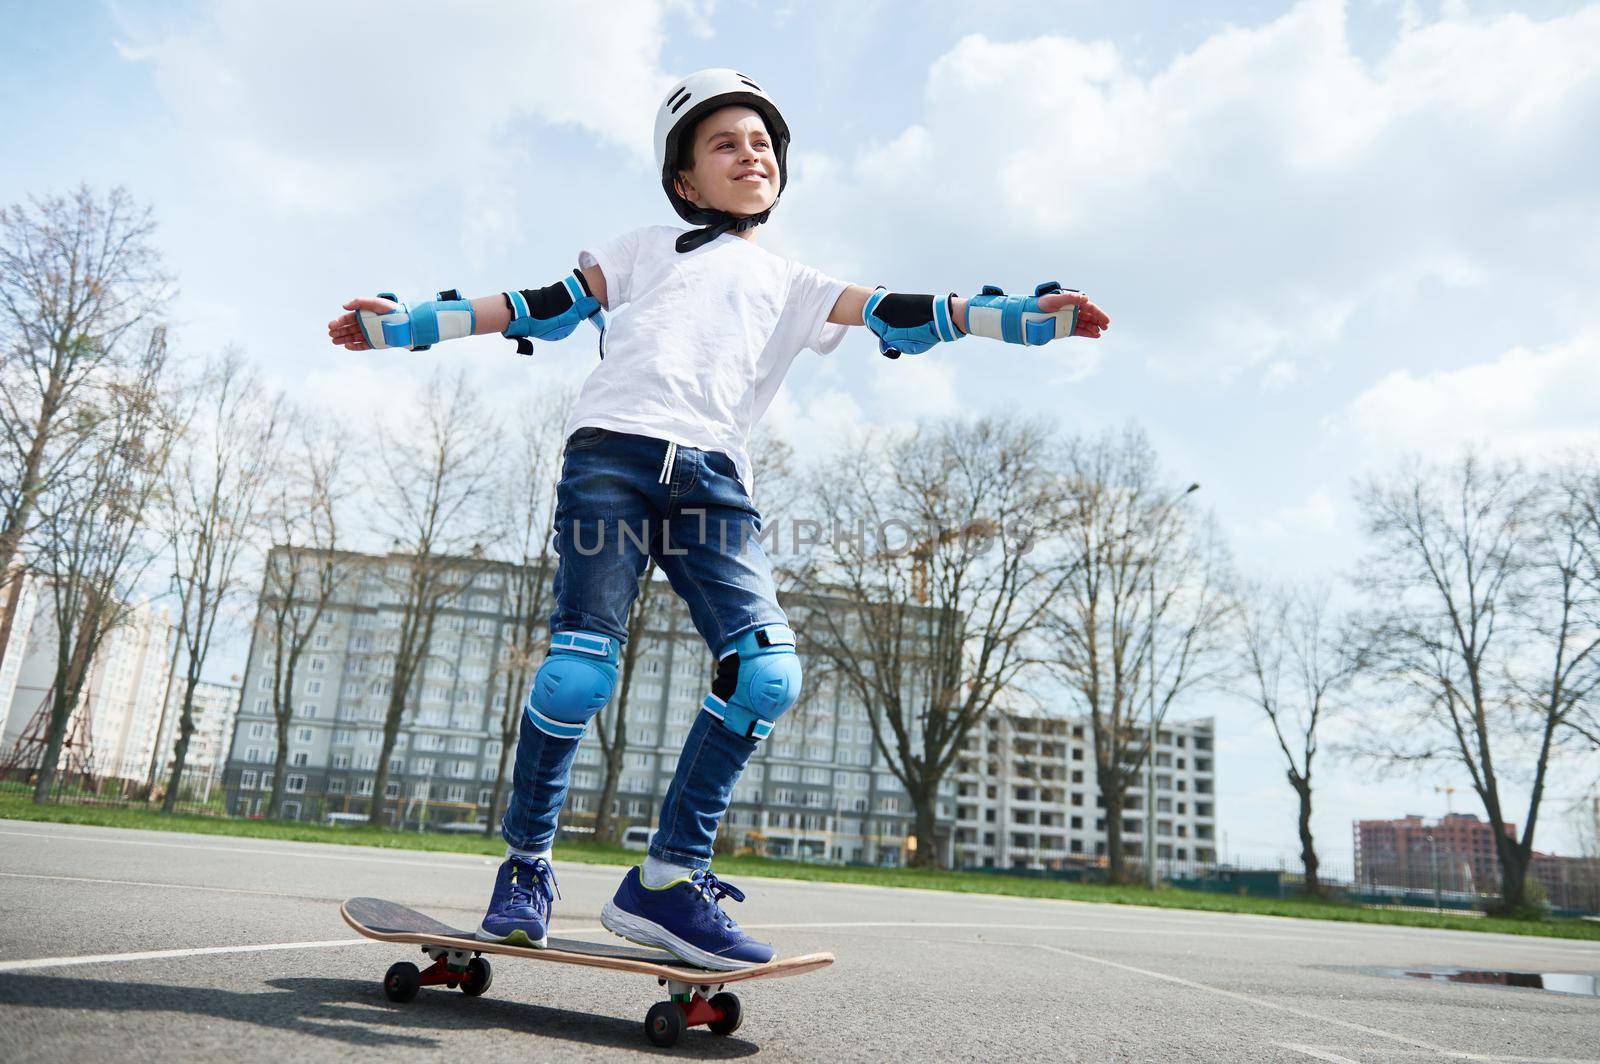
[(656, 466)]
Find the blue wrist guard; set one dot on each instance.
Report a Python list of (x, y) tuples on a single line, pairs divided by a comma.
[(1018, 319), (908, 325), (420, 327), (552, 312)]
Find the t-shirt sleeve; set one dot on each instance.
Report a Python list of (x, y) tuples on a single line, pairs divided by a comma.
[(616, 259), (812, 295)]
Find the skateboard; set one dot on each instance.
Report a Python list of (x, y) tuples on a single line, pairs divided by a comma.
[(458, 961)]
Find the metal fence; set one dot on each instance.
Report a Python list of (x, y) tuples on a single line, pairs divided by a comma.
[(199, 791)]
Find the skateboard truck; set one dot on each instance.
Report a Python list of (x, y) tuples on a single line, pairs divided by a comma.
[(690, 1007)]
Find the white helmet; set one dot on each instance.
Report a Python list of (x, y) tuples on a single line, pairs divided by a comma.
[(691, 100)]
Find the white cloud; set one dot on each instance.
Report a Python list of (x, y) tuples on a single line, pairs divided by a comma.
[(915, 386), (1260, 203), (814, 421), (1316, 514), (335, 109), (1530, 402)]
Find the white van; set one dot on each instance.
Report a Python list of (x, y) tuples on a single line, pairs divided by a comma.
[(638, 838)]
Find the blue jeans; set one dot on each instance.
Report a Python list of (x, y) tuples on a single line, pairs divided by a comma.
[(623, 500)]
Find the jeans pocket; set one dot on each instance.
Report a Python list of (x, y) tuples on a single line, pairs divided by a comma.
[(587, 436)]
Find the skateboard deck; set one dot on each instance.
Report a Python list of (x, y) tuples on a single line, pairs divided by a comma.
[(458, 961)]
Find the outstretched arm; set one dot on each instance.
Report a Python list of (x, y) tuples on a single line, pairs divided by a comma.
[(550, 313), (913, 323)]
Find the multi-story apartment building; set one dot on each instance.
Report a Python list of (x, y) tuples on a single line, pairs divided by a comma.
[(1457, 854), (1457, 851), (216, 705), (816, 789), (1027, 796), (121, 699), (21, 597)]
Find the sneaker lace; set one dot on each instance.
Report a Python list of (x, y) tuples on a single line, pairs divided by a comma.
[(530, 878), (713, 890)]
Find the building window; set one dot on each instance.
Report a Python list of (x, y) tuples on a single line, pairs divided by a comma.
[(295, 784), (336, 786), (298, 759), (247, 781)]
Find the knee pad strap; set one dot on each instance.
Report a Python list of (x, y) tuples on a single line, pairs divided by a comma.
[(574, 683), (758, 678)]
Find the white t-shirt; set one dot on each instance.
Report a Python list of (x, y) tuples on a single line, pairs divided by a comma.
[(704, 341)]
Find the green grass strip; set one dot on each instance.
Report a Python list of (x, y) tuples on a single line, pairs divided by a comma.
[(17, 808)]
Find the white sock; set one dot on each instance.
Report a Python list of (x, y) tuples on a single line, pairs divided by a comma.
[(528, 855), (657, 873)]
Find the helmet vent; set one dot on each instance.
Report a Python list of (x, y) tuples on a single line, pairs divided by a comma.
[(750, 83), (681, 89), (686, 98)]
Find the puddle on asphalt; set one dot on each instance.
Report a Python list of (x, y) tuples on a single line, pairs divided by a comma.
[(1553, 982)]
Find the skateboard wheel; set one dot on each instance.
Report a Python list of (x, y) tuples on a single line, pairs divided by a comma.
[(478, 976), (663, 1024), (732, 1015), (401, 981)]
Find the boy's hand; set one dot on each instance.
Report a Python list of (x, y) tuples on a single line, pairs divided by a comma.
[(1051, 313), (1092, 321), (345, 330)]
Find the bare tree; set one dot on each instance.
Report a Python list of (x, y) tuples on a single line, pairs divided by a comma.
[(1302, 666), (1140, 619), (529, 497), (79, 280), (432, 501), (305, 571), (1577, 486), (928, 587), (91, 542), (1475, 568), (215, 490)]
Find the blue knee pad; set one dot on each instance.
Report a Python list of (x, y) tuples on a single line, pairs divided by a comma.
[(758, 677), (573, 684)]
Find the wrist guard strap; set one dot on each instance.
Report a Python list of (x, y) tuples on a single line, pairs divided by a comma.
[(551, 312), (908, 324), (420, 327), (1018, 319)]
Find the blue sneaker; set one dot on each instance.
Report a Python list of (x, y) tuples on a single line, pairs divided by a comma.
[(684, 919), (520, 908)]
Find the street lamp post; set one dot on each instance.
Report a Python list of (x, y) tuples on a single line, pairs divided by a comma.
[(1150, 738)]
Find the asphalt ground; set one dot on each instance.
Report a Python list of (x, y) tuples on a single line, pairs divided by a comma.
[(126, 945)]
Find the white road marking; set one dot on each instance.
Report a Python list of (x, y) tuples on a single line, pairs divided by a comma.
[(167, 954), (376, 858), (170, 886), (1327, 1053), (1316, 1054), (1273, 1006)]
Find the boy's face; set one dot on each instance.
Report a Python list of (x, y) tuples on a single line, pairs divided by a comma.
[(735, 167)]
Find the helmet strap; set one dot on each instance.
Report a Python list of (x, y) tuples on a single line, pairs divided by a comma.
[(725, 223)]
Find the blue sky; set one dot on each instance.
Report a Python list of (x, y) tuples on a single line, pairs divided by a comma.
[(1328, 233)]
